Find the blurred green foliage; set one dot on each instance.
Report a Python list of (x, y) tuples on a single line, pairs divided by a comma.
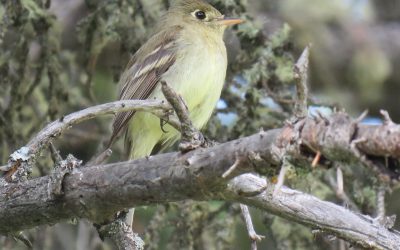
[(46, 71)]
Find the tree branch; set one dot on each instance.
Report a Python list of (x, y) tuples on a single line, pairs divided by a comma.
[(98, 192), (301, 79), (254, 237), (21, 161), (191, 137), (310, 211), (122, 235)]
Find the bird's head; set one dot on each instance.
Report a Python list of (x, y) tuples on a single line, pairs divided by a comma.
[(200, 15)]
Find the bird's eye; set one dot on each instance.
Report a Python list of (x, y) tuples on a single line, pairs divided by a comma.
[(200, 15)]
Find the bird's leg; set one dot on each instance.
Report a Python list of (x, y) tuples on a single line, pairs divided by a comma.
[(162, 124), (191, 139)]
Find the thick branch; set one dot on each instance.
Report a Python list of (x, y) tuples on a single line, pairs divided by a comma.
[(55, 128), (310, 211), (341, 138), (100, 191)]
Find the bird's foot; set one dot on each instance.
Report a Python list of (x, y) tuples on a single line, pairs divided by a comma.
[(196, 140)]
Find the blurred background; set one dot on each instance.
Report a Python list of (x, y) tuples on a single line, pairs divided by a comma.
[(59, 56)]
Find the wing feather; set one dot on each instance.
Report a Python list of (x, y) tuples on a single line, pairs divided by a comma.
[(144, 72)]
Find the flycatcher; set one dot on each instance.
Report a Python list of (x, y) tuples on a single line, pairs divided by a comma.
[(188, 52)]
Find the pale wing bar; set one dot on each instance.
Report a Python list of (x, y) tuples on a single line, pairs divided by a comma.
[(141, 78)]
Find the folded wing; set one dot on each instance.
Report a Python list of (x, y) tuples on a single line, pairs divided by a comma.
[(144, 72)]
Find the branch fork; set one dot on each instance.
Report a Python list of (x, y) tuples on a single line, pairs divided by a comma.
[(22, 160), (192, 138), (61, 169)]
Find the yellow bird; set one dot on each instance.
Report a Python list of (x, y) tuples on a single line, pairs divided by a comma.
[(188, 52)]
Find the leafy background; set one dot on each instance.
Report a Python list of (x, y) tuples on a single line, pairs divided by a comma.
[(59, 56)]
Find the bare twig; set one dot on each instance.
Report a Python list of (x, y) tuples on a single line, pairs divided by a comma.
[(21, 161), (316, 160), (232, 168), (338, 187), (55, 154), (381, 218), (55, 128), (301, 79), (291, 204), (254, 237), (339, 181), (192, 138), (342, 196)]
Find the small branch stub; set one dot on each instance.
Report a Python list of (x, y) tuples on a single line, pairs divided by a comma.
[(250, 228), (232, 168), (62, 168), (301, 79), (192, 138), (122, 235)]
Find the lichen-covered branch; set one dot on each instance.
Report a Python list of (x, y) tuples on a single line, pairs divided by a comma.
[(254, 237), (122, 235), (191, 137), (21, 161), (341, 138), (301, 79), (98, 192), (310, 211)]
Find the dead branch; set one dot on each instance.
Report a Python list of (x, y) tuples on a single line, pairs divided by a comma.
[(21, 161), (310, 211), (254, 237), (301, 79), (122, 235), (192, 138), (98, 192)]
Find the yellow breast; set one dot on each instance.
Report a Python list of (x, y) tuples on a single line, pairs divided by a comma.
[(198, 75)]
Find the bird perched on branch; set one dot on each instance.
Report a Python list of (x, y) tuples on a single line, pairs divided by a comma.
[(187, 52)]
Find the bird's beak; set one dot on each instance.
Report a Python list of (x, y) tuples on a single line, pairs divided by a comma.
[(229, 21)]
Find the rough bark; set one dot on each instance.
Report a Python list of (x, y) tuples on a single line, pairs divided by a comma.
[(98, 192)]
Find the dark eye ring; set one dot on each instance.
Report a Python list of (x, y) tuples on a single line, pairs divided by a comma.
[(200, 15)]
